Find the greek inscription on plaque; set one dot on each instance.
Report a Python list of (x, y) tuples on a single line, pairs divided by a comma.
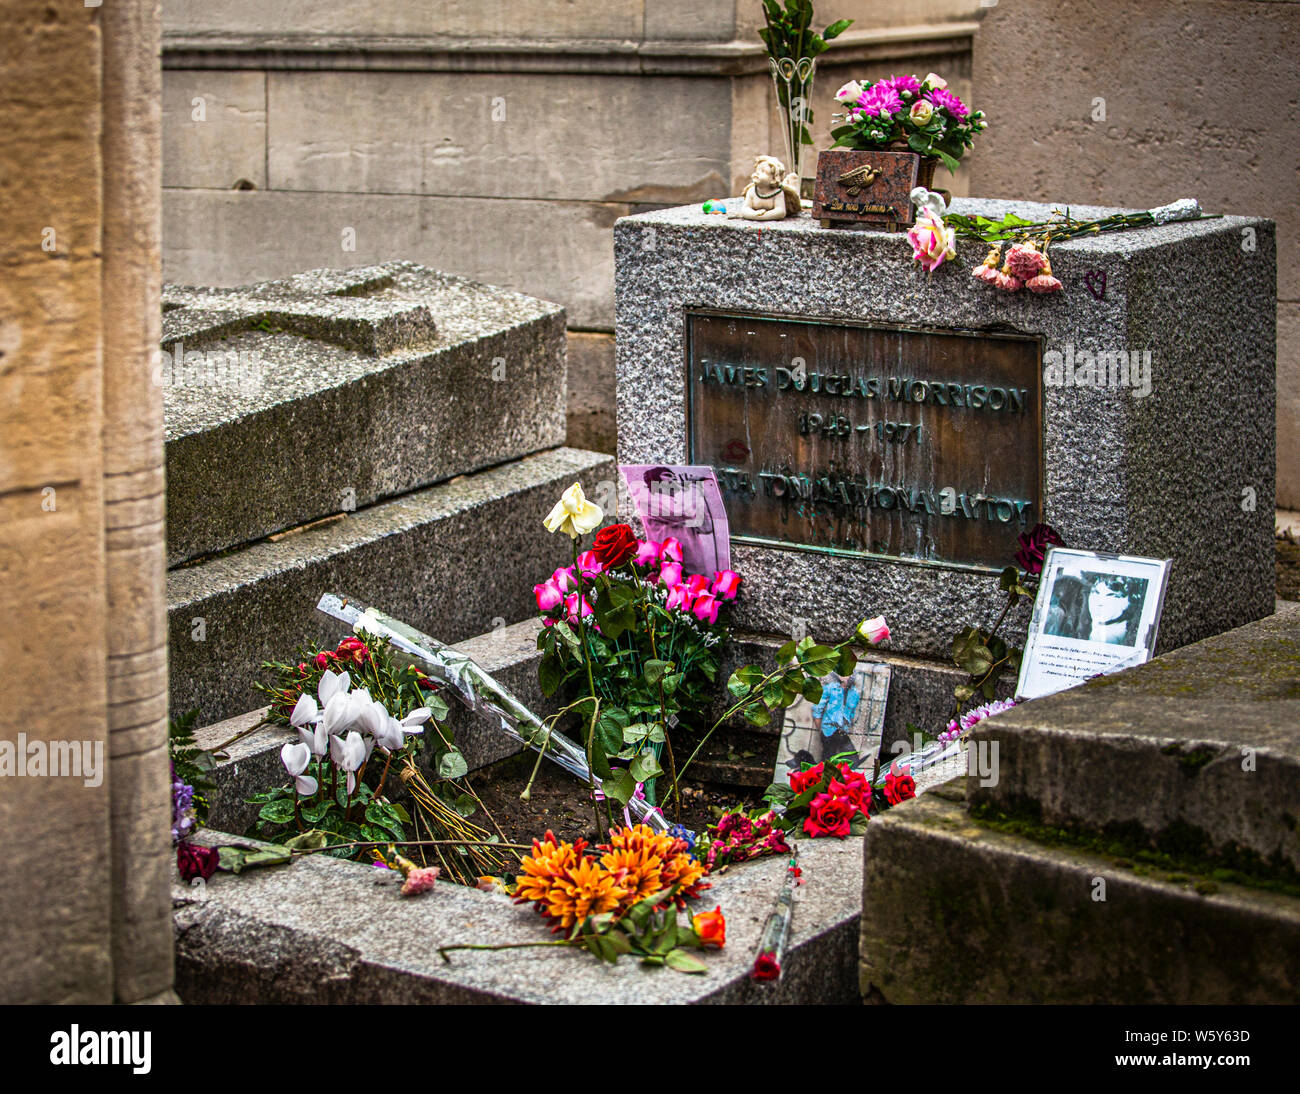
[(867, 439)]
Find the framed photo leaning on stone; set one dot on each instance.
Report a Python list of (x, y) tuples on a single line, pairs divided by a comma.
[(1095, 613)]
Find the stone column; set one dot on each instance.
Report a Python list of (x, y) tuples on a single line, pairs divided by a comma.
[(83, 882), (135, 555)]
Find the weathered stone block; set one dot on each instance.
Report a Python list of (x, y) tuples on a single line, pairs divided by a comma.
[(445, 559), (957, 912), (305, 933), (558, 137), (558, 250), (330, 390), (214, 130), (1122, 472), (1196, 752)]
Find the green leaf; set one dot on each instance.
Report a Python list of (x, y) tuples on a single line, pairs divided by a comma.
[(620, 786), (837, 28), (550, 674), (466, 805), (757, 714), (600, 760), (847, 663), (452, 765), (682, 961), (645, 767), (812, 690), (785, 653), (238, 859), (277, 812), (656, 670), (962, 692), (311, 840), (609, 729)]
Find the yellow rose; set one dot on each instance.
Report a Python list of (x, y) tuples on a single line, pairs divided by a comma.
[(574, 514)]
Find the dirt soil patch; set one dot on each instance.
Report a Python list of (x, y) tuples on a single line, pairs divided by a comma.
[(559, 802)]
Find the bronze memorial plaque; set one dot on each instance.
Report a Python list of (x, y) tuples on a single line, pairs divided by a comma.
[(866, 439)]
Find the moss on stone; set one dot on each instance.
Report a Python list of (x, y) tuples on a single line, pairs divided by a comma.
[(1181, 854)]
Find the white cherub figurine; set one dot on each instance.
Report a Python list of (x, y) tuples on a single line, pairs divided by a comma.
[(771, 193)]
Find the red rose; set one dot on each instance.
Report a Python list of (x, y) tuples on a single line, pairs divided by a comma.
[(614, 545), (829, 816), (354, 650), (766, 967), (323, 660), (1034, 545), (802, 780), (194, 861), (854, 787), (422, 681), (899, 788)]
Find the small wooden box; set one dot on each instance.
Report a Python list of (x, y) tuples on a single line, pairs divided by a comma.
[(866, 187)]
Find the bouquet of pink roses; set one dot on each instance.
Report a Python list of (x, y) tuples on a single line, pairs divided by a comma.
[(653, 635)]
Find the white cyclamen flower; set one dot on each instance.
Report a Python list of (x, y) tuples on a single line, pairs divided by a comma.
[(295, 758), (331, 683), (349, 753)]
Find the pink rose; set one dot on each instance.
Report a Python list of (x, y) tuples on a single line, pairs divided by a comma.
[(647, 552), (725, 584), (571, 608), (563, 577), (697, 584), (549, 595), (874, 631), (679, 598), (705, 607), (670, 574), (590, 563), (671, 551), (931, 242)]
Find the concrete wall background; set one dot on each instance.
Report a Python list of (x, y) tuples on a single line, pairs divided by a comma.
[(495, 140), (1200, 101)]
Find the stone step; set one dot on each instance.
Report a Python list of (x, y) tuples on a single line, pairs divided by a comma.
[(455, 560), (1196, 753), (305, 932), (959, 910), (252, 764), (292, 400)]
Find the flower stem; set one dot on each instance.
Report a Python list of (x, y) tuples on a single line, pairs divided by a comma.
[(591, 687), (443, 951)]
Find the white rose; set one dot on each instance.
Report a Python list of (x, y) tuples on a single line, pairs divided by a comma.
[(933, 82), (850, 92), (921, 113)]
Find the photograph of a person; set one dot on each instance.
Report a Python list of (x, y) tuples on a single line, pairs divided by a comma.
[(1096, 607), (684, 503), (1095, 613), (848, 719)]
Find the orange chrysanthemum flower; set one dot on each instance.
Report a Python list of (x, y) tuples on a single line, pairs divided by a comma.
[(653, 861), (544, 867), (586, 889)]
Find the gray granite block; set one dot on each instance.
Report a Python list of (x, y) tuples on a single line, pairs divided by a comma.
[(333, 389), (1198, 751), (1185, 472), (455, 560), (324, 931), (959, 912)]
